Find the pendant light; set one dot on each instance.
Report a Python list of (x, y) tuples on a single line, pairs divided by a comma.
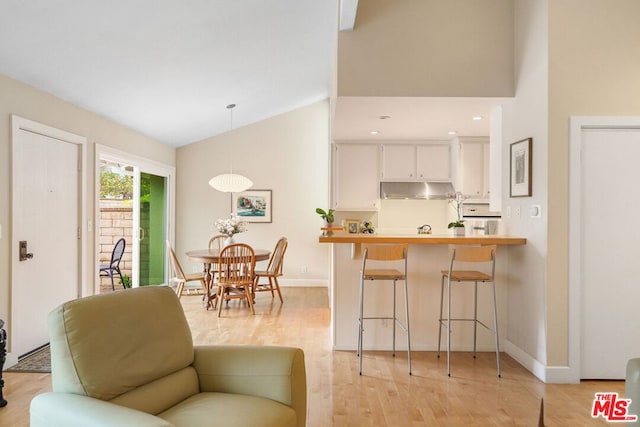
[(230, 182)]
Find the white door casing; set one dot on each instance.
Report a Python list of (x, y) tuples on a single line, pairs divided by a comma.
[(48, 213), (603, 268)]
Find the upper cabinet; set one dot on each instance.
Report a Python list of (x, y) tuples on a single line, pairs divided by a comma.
[(434, 162), (398, 162), (356, 176), (473, 167), (411, 162)]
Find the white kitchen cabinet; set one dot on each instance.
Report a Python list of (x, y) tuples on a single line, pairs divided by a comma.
[(425, 162), (433, 162), (398, 162), (473, 168), (356, 177)]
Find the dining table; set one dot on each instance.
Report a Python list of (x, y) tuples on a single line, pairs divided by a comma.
[(209, 257)]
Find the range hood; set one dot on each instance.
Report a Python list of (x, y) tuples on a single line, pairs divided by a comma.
[(415, 190)]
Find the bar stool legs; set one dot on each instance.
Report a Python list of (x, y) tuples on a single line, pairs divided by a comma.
[(475, 254), (446, 322), (404, 326)]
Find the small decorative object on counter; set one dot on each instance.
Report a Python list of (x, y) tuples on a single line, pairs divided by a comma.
[(3, 358), (326, 215), (230, 226), (367, 227), (424, 229), (455, 201)]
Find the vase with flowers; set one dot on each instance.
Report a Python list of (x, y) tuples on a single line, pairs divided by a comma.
[(230, 226), (456, 201)]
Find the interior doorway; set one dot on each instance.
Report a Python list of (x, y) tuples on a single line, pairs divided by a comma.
[(136, 204), (602, 256)]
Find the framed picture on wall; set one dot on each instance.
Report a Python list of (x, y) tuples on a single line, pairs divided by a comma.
[(520, 176), (252, 205)]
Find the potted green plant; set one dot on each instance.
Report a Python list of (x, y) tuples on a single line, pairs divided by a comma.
[(326, 215)]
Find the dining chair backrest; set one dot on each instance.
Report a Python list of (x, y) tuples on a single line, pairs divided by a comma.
[(236, 264), (175, 264), (118, 252), (217, 242), (277, 257)]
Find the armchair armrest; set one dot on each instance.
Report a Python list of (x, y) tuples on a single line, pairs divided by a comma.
[(72, 410), (277, 373)]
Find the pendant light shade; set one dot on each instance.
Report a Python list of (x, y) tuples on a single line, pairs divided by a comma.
[(230, 182)]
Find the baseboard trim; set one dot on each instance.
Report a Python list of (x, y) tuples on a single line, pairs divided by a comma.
[(303, 283)]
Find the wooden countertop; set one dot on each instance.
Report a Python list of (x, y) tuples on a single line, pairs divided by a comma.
[(422, 239)]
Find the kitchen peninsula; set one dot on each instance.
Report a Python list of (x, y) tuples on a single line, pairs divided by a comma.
[(428, 255)]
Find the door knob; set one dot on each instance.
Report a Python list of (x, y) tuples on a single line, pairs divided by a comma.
[(24, 255)]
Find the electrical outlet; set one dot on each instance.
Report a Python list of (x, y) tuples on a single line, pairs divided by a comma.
[(517, 211), (303, 269)]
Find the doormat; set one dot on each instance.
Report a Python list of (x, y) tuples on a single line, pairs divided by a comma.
[(39, 362)]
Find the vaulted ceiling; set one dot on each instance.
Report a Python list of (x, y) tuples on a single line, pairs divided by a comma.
[(168, 68)]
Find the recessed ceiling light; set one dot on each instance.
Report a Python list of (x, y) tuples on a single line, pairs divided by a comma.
[(374, 132), (452, 132), (476, 118), (384, 117)]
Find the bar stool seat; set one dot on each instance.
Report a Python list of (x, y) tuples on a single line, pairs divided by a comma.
[(384, 253), (483, 255)]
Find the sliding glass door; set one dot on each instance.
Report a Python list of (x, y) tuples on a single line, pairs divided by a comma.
[(135, 203)]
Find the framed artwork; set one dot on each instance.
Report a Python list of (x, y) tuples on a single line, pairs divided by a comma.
[(252, 205), (520, 176), (352, 225)]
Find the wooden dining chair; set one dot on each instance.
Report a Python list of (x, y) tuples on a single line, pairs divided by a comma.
[(236, 268), (216, 243), (180, 278), (273, 271)]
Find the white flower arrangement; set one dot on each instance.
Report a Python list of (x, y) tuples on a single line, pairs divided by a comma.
[(456, 200), (232, 225)]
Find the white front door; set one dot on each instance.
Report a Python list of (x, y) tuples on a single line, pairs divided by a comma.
[(609, 265), (46, 184)]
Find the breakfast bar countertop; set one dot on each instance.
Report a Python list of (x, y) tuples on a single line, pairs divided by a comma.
[(422, 239)]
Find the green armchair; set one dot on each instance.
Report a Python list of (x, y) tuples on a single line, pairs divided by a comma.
[(127, 358)]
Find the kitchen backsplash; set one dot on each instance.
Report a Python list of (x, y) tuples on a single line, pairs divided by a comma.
[(405, 216)]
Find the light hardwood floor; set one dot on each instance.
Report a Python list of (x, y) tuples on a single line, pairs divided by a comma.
[(385, 395)]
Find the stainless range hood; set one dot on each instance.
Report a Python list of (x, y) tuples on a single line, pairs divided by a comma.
[(415, 190)]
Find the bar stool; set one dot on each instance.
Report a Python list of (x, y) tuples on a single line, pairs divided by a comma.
[(483, 255), (384, 252)]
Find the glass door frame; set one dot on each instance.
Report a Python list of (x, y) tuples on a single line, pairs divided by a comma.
[(140, 164)]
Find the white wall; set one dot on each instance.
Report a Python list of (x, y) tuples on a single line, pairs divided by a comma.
[(527, 117), (288, 154), (28, 102)]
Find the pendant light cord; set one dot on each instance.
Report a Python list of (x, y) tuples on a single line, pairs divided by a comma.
[(230, 107)]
